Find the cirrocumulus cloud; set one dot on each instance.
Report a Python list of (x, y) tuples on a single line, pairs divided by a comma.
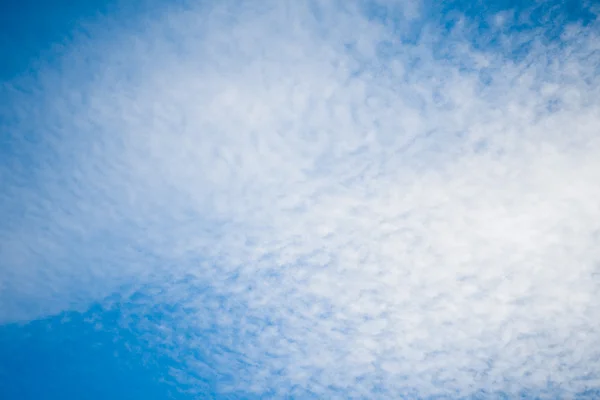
[(329, 199)]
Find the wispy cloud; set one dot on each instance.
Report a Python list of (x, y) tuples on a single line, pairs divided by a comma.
[(375, 203)]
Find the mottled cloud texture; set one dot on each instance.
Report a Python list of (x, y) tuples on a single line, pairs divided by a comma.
[(325, 199)]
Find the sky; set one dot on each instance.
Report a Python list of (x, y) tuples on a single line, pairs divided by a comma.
[(362, 199)]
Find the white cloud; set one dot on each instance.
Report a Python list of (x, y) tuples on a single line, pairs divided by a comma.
[(402, 224)]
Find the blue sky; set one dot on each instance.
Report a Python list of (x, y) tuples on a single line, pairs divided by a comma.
[(326, 199)]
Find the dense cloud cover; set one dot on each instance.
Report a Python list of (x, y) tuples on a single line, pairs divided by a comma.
[(323, 199)]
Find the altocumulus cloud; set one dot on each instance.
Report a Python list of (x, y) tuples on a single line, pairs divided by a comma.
[(326, 199)]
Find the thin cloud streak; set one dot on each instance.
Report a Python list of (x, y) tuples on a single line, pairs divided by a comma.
[(379, 214)]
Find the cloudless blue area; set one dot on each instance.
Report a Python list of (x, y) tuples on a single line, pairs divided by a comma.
[(103, 353), (34, 32), (31, 29), (81, 356), (90, 355)]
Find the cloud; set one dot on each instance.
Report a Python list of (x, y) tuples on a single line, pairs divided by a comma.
[(346, 209)]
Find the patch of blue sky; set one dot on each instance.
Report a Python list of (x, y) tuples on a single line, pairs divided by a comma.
[(82, 355), (504, 28), (34, 32), (110, 351)]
